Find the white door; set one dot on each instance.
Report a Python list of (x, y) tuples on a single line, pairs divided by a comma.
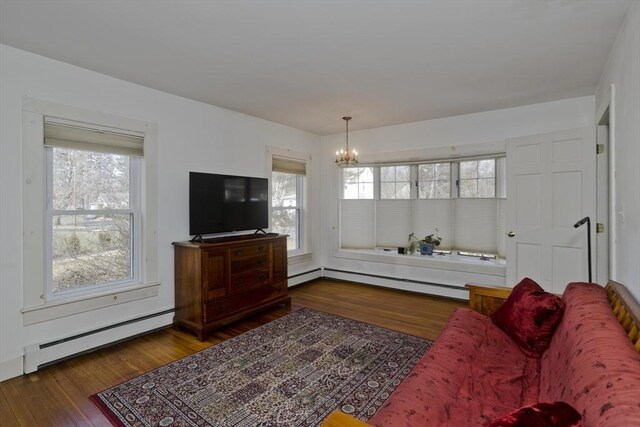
[(551, 184)]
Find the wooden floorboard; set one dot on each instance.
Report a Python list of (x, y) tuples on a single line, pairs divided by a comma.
[(59, 395)]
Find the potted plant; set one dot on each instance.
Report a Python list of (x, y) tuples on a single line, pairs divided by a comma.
[(425, 244)]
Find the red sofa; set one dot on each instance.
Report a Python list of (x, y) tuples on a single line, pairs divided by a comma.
[(475, 373)]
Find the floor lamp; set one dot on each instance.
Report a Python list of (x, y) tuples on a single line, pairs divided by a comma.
[(587, 220)]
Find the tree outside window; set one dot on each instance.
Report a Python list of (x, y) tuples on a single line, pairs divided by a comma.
[(395, 182), (91, 212), (434, 181), (357, 183), (286, 202), (478, 179)]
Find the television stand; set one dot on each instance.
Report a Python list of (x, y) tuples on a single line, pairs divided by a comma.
[(221, 280)]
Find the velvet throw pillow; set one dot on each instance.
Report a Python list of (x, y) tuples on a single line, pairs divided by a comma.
[(530, 316), (558, 414)]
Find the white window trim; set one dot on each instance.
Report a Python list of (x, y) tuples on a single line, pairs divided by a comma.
[(34, 190), (303, 252)]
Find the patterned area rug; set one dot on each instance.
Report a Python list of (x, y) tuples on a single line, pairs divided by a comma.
[(293, 371)]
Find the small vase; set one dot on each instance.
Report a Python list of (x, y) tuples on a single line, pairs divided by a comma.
[(426, 249)]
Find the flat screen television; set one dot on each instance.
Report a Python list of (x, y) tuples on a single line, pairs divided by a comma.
[(226, 203)]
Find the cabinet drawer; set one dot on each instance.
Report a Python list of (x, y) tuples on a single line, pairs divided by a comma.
[(241, 282), (226, 306), (258, 262), (248, 251)]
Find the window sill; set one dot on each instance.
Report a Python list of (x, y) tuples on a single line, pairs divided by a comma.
[(453, 262), (299, 258), (61, 308)]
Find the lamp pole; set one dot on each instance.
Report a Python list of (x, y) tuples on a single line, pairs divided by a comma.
[(586, 220)]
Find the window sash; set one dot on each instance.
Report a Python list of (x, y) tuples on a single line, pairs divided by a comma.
[(135, 230), (300, 226)]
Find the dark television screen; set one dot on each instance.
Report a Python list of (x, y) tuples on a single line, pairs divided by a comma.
[(225, 203)]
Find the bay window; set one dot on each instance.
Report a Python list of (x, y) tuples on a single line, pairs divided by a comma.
[(459, 200)]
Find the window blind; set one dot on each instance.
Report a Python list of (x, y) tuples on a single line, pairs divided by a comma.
[(288, 165), (100, 140), (357, 224), (393, 222), (429, 214), (475, 224)]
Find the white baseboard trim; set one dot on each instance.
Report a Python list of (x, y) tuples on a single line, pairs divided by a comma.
[(11, 368), (405, 285), (36, 355)]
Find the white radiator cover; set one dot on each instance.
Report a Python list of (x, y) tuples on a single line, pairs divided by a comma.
[(36, 355)]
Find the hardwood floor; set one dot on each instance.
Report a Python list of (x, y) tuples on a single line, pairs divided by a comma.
[(58, 395)]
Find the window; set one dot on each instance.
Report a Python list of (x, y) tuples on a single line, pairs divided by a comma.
[(109, 201), (434, 181), (357, 183), (395, 182), (457, 199), (477, 179), (287, 201), (92, 210)]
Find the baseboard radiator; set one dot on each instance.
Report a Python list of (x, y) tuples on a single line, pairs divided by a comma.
[(412, 285), (40, 355)]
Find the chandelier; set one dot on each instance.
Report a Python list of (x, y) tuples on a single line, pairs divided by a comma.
[(344, 157)]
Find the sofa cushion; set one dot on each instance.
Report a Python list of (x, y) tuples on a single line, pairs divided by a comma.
[(591, 363), (530, 316), (557, 414), (472, 374)]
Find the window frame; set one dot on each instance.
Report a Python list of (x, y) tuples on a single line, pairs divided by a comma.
[(478, 178), (303, 193), (375, 182), (35, 306), (451, 175), (299, 208), (134, 211), (410, 181)]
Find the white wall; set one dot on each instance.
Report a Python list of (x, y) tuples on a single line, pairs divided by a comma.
[(192, 136), (623, 71), (449, 135)]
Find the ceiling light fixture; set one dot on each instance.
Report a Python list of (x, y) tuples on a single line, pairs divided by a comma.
[(345, 158)]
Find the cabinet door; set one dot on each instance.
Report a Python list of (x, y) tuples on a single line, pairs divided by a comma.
[(214, 273), (279, 259)]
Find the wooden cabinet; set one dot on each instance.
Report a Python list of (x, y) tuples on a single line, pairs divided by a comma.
[(223, 280)]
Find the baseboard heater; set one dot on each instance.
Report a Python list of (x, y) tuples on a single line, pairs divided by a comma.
[(300, 279), (38, 356), (458, 292)]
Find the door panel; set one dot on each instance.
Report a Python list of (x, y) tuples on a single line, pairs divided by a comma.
[(550, 186)]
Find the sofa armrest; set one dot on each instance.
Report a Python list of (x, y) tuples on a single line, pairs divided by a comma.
[(486, 299), (340, 419)]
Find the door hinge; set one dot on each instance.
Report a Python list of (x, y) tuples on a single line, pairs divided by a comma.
[(599, 227), (599, 148)]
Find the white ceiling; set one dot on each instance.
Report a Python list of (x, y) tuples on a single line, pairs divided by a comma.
[(307, 63)]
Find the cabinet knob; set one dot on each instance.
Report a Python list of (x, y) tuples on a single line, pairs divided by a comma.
[(220, 309), (261, 248), (238, 252), (238, 284)]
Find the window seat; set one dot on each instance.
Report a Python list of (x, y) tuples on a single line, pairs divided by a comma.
[(453, 261)]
